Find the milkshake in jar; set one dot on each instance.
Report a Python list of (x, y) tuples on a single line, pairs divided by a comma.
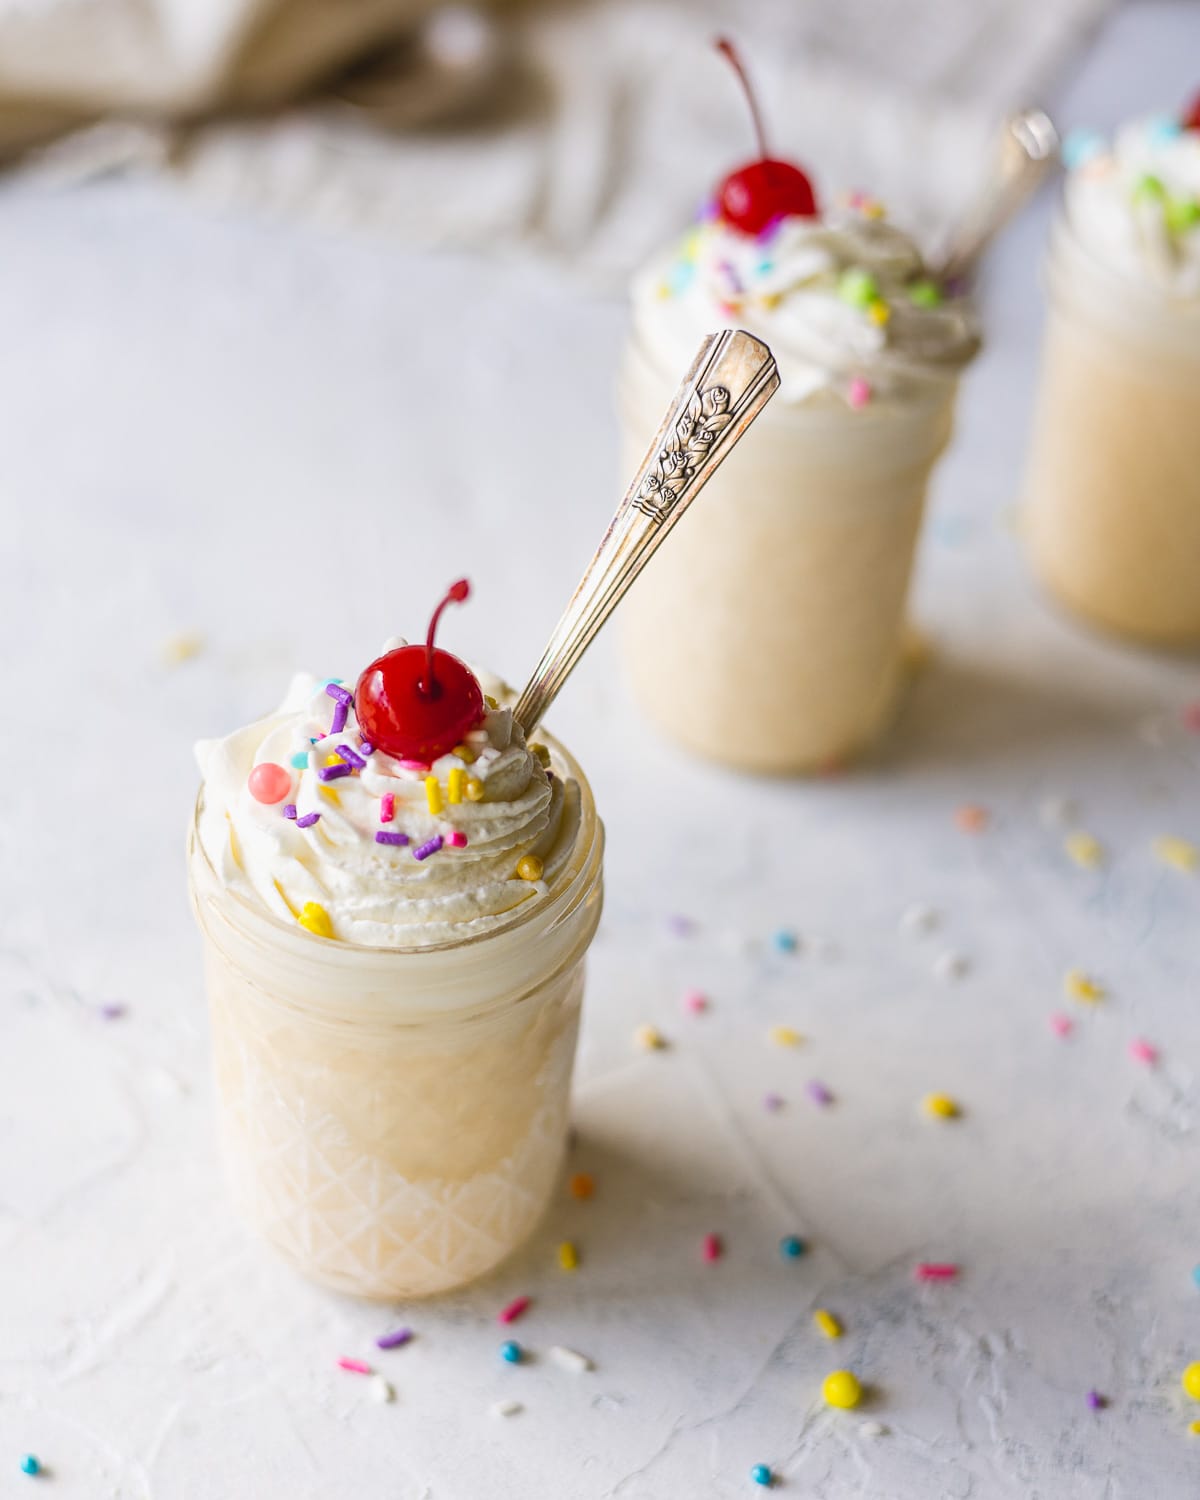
[(1111, 514), (771, 634), (396, 893)]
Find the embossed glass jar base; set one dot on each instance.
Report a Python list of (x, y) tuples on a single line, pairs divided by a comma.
[(394, 1120)]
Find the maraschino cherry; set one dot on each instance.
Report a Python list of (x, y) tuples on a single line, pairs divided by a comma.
[(756, 195), (1191, 118), (417, 702)]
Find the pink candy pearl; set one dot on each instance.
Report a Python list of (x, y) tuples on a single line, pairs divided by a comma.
[(1061, 1025), (859, 392), (695, 1001), (1143, 1052), (269, 782)]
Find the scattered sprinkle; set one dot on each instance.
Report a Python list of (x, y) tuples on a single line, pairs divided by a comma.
[(879, 312), (355, 1366), (506, 1408), (387, 807), (456, 785), (1143, 1051), (340, 714), (1077, 986), (784, 1036), (433, 795), (308, 820), (569, 1359), (112, 1010), (841, 1389), (971, 818), (818, 1093), (511, 1352), (680, 926), (300, 759), (761, 1474), (332, 773), (351, 757), (530, 867), (395, 1339), (649, 1039), (395, 840), (1178, 853), (695, 1001), (315, 919), (1086, 851), (711, 1247), (950, 965), (1081, 146), (917, 920), (941, 1106), (515, 1309), (177, 649), (381, 1390), (1096, 1401), (456, 839), (858, 392), (339, 694), (857, 287), (1196, 1274), (30, 1464), (430, 846), (935, 1270), (827, 1323), (784, 941), (1194, 1428), (925, 293), (582, 1185), (792, 1247), (289, 810), (568, 1256), (773, 1103), (1061, 1025)]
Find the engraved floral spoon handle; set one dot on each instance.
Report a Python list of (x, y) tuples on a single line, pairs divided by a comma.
[(731, 379)]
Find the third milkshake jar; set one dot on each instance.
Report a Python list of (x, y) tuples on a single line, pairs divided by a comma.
[(1112, 495)]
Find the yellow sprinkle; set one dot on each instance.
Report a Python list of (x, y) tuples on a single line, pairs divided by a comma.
[(649, 1038), (842, 1389), (941, 1106), (873, 210), (768, 299), (1194, 1428), (662, 291), (568, 1256), (1084, 850), (1190, 1380), (433, 795), (334, 760), (530, 867), (474, 789), (827, 1323), (331, 793), (180, 648), (490, 701), (543, 754), (465, 754), (784, 1036), (1077, 986), (1177, 853), (455, 783), (879, 313), (316, 919)]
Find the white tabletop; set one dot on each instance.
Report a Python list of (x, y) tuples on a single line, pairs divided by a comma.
[(288, 443)]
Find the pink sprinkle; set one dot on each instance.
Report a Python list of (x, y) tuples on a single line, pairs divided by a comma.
[(858, 392), (729, 309), (513, 1311), (1143, 1051), (858, 200), (772, 1102), (712, 1247), (696, 1001), (457, 839), (1191, 717), (387, 807), (1061, 1025), (932, 1270), (818, 1093), (355, 1366)]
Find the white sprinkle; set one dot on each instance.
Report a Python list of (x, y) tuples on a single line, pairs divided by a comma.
[(1058, 812), (918, 920), (950, 966), (380, 1390), (872, 1429), (569, 1359), (506, 1408)]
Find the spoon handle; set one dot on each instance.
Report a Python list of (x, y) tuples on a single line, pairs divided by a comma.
[(730, 381)]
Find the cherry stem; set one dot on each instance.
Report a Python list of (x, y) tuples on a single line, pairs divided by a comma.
[(455, 594), (730, 53)]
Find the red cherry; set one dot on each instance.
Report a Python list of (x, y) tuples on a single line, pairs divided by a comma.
[(417, 702), (1191, 120), (763, 191)]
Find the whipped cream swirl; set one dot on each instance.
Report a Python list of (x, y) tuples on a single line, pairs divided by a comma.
[(392, 894), (1136, 206), (845, 303)]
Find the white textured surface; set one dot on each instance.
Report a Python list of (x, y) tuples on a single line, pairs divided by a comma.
[(214, 426)]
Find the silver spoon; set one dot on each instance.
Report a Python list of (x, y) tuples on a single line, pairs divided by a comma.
[(1027, 152), (731, 379)]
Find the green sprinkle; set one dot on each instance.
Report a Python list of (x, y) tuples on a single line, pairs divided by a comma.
[(1149, 186), (1182, 214), (925, 293), (858, 288)]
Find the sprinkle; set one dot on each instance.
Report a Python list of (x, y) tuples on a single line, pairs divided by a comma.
[(729, 309), (568, 1256), (513, 1311), (879, 312), (933, 1270), (582, 1185), (433, 795), (464, 753), (792, 1247), (1096, 1401), (919, 919), (941, 1106), (474, 789), (950, 966), (112, 1010), (1086, 851), (784, 1036), (1081, 146), (695, 1001), (1143, 1051), (308, 820), (649, 1039), (315, 919), (332, 773), (511, 1352), (455, 784), (1194, 1428), (1178, 853), (1190, 1380), (818, 1093), (569, 1359), (340, 714), (506, 1408), (971, 818), (395, 1339), (784, 941), (857, 287), (300, 759), (858, 392), (1077, 986), (1181, 214), (430, 846), (339, 694), (680, 926), (492, 703), (841, 1389), (365, 746), (351, 757), (925, 293), (761, 1474), (1162, 130), (289, 810), (827, 1323), (456, 839), (773, 1103), (179, 648), (711, 1247), (1196, 1274), (30, 1464), (1061, 1025), (1149, 189), (381, 1390), (530, 867), (387, 807), (355, 1366), (396, 840), (268, 783)]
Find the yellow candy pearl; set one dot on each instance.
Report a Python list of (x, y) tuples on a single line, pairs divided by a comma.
[(841, 1389), (879, 313), (474, 789), (530, 867), (941, 1106), (464, 753), (315, 919), (1190, 1380)]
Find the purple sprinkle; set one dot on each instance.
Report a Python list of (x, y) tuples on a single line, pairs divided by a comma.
[(773, 1102), (307, 820), (366, 746), (394, 1339), (1096, 1401), (396, 839), (430, 847), (339, 694), (680, 926), (340, 714), (818, 1093), (351, 757), (112, 1010), (289, 810), (333, 773)]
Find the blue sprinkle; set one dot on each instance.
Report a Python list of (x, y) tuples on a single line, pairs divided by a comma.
[(511, 1352), (784, 941), (1081, 146), (1196, 1274), (300, 759), (791, 1247), (1163, 129), (30, 1465), (765, 267), (761, 1474), (681, 275)]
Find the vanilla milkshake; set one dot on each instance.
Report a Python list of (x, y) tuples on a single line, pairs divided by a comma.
[(1112, 493), (394, 943)]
